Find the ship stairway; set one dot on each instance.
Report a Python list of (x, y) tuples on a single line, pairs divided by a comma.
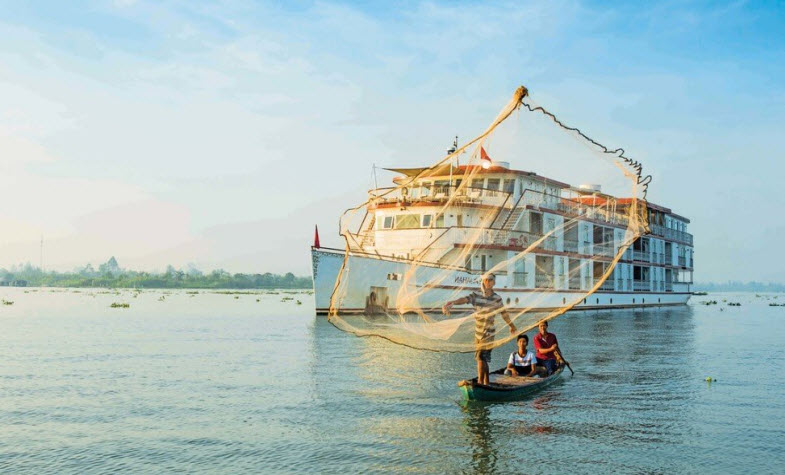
[(507, 221), (512, 219), (369, 237)]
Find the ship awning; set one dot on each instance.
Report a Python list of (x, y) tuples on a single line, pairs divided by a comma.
[(416, 171)]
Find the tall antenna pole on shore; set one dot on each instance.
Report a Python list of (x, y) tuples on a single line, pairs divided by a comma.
[(41, 256)]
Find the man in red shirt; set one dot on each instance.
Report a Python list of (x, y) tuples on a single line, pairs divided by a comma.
[(547, 346)]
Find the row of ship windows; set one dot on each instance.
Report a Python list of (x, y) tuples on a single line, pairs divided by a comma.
[(416, 220), (585, 301)]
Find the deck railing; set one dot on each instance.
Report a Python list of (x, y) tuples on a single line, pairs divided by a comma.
[(520, 279), (603, 249), (543, 281), (669, 233), (607, 285), (438, 195), (641, 256), (641, 285)]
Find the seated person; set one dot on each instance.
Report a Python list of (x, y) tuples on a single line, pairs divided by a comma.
[(521, 362), (547, 348)]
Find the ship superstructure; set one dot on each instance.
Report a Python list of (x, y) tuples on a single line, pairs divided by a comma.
[(430, 221)]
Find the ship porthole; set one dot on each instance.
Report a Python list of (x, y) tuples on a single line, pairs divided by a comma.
[(633, 300), (597, 300), (564, 301), (611, 300), (508, 300), (659, 300), (584, 301), (516, 300), (643, 300)]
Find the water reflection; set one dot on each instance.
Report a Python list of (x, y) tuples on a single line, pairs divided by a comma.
[(478, 423)]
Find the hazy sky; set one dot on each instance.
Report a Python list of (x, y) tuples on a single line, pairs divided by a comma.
[(218, 134)]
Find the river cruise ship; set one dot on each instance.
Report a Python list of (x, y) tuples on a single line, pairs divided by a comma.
[(413, 226)]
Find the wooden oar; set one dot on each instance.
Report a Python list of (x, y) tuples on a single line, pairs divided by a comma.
[(559, 356)]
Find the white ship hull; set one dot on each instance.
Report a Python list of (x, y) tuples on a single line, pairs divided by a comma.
[(384, 277)]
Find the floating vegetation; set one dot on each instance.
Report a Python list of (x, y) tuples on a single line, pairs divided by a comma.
[(700, 293), (192, 292), (299, 303), (120, 305), (776, 304), (7, 302), (286, 299), (734, 304), (161, 298), (708, 302), (257, 300), (236, 297)]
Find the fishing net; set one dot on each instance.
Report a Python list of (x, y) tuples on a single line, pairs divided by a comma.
[(440, 232)]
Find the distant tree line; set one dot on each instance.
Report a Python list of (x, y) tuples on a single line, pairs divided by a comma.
[(110, 274), (732, 286)]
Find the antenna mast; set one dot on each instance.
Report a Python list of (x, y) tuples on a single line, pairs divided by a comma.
[(450, 152)]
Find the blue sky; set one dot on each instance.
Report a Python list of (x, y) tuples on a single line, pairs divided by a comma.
[(219, 133)]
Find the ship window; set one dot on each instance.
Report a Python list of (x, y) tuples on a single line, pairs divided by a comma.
[(493, 184), (388, 222), (441, 186), (407, 221), (439, 220), (516, 300), (611, 300), (508, 300), (426, 220), (633, 300), (509, 185)]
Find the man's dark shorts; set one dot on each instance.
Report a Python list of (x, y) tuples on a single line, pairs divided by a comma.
[(483, 355), (550, 365)]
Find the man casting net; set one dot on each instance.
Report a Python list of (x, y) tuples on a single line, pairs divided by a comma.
[(443, 231)]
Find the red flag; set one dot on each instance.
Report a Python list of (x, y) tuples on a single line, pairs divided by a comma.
[(483, 155), (316, 237)]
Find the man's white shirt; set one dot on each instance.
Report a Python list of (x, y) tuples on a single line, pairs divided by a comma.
[(517, 360)]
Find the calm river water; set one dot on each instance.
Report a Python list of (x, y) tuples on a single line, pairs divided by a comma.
[(229, 383)]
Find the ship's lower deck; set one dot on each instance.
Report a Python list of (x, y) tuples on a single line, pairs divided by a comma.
[(377, 281)]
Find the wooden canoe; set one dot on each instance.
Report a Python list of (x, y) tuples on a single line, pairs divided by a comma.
[(505, 388)]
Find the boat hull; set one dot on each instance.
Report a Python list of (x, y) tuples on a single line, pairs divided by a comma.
[(383, 277), (477, 392)]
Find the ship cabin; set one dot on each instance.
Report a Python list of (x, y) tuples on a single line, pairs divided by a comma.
[(504, 211)]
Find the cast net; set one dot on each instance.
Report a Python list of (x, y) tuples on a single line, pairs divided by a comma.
[(441, 230)]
